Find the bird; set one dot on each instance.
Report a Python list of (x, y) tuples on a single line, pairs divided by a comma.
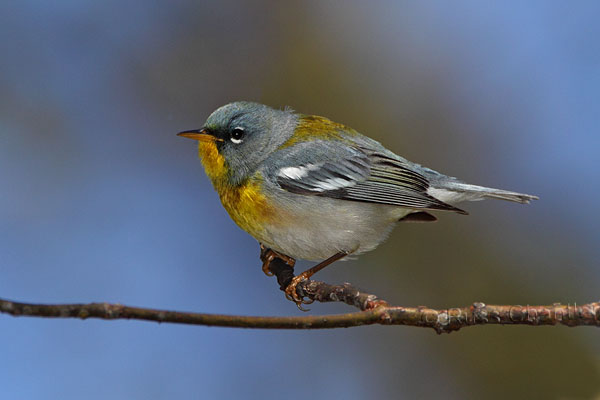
[(309, 188)]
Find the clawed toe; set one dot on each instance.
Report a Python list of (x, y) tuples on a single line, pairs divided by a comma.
[(291, 293), (266, 265)]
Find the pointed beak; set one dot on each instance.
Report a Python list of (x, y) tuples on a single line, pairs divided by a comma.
[(201, 135)]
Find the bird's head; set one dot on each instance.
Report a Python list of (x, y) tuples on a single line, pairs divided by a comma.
[(237, 137)]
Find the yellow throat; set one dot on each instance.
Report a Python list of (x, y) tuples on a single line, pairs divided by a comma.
[(245, 203)]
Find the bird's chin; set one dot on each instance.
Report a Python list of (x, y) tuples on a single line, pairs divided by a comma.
[(212, 160)]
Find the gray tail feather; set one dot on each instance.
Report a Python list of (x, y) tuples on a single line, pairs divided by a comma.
[(474, 192)]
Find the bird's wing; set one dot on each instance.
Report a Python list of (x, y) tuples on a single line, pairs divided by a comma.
[(343, 171)]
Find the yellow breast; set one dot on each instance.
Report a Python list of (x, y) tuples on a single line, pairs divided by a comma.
[(248, 208), (245, 203)]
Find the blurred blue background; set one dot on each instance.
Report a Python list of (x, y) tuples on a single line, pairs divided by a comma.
[(100, 200)]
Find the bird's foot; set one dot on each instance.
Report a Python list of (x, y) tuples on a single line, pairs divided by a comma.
[(267, 256), (291, 292)]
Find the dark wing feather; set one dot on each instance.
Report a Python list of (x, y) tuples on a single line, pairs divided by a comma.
[(391, 181), (420, 216), (325, 178), (359, 175)]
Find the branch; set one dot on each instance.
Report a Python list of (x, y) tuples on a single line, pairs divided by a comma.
[(373, 311), (443, 321)]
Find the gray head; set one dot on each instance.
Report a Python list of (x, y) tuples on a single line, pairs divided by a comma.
[(245, 134)]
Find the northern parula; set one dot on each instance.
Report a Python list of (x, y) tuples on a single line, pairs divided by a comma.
[(307, 187)]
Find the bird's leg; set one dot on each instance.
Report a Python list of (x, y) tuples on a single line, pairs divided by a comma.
[(290, 290), (268, 255)]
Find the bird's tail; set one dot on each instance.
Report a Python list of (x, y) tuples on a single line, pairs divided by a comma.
[(454, 192)]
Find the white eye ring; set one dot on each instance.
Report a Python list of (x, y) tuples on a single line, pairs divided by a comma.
[(238, 131)]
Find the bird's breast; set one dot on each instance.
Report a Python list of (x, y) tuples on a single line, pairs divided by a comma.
[(245, 203), (248, 207)]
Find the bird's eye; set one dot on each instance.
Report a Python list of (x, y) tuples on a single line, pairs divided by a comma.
[(237, 134)]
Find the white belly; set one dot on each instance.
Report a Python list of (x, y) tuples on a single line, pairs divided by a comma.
[(320, 227)]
